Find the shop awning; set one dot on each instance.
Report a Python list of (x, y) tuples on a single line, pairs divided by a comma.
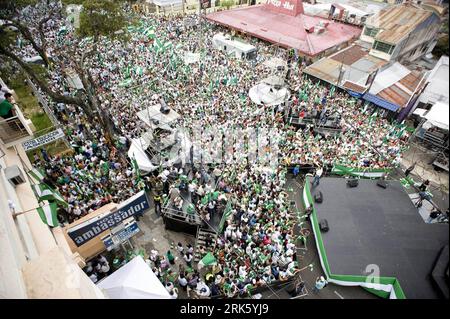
[(438, 115), (380, 102)]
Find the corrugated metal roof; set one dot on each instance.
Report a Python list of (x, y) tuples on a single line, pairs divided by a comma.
[(362, 66), (325, 69), (388, 77), (400, 92), (396, 22), (350, 55), (354, 87)]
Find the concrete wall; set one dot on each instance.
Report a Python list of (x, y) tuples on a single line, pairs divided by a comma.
[(32, 263)]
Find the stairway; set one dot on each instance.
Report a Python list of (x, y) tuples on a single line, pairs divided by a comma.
[(202, 234)]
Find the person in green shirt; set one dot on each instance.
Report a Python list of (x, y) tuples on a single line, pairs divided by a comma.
[(170, 257), (6, 108)]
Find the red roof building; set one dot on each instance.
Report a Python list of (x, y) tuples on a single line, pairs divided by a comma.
[(284, 23)]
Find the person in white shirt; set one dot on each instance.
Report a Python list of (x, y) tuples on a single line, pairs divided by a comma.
[(93, 277), (317, 177)]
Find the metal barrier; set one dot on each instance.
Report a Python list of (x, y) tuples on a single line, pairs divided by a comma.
[(14, 128)]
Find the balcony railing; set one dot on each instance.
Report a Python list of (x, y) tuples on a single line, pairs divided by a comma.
[(14, 129)]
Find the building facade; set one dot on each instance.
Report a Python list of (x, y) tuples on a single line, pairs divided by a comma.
[(35, 260), (402, 33)]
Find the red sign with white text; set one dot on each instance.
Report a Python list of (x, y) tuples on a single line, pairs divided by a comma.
[(290, 7)]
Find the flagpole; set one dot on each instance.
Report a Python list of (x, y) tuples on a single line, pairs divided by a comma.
[(25, 211)]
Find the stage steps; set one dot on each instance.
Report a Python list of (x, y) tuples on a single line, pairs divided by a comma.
[(202, 234)]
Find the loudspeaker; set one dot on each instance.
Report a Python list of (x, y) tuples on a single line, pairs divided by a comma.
[(323, 225), (352, 182), (318, 197), (382, 184), (164, 108)]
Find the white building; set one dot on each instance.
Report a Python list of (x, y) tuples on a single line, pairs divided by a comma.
[(437, 85), (402, 33)]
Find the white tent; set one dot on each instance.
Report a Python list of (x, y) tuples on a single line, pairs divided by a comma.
[(263, 93), (191, 57), (135, 280), (137, 152), (438, 115)]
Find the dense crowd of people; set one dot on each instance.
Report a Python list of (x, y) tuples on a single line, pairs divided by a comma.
[(258, 244)]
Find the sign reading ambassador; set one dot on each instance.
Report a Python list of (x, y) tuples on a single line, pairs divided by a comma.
[(90, 229), (43, 140)]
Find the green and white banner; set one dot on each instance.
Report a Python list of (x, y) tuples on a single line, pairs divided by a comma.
[(359, 172), (43, 192), (385, 287), (36, 174), (161, 45), (207, 260), (226, 214), (48, 214)]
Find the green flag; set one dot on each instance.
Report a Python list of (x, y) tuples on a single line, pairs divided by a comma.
[(208, 260), (136, 170), (48, 214), (43, 192)]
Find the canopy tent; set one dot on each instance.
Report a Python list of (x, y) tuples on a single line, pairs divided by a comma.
[(135, 280), (274, 80), (137, 152), (438, 115), (267, 95)]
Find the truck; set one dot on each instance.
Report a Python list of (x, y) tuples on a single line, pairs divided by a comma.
[(240, 50)]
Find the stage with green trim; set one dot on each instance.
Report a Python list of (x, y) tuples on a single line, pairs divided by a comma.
[(376, 238)]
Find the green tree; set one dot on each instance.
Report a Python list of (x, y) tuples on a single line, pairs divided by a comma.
[(442, 47), (227, 4), (101, 17), (10, 14)]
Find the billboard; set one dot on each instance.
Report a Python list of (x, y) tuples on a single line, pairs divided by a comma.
[(90, 229)]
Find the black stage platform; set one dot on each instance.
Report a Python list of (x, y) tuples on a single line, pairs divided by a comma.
[(372, 225)]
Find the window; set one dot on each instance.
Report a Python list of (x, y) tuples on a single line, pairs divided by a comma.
[(371, 32), (383, 47)]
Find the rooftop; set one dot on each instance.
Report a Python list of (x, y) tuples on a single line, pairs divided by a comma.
[(354, 61), (396, 84), (287, 30), (396, 22), (369, 225), (437, 89)]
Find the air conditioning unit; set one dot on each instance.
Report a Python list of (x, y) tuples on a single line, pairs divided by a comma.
[(14, 175), (309, 29), (320, 30)]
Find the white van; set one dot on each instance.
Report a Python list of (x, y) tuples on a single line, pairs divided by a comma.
[(240, 49)]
